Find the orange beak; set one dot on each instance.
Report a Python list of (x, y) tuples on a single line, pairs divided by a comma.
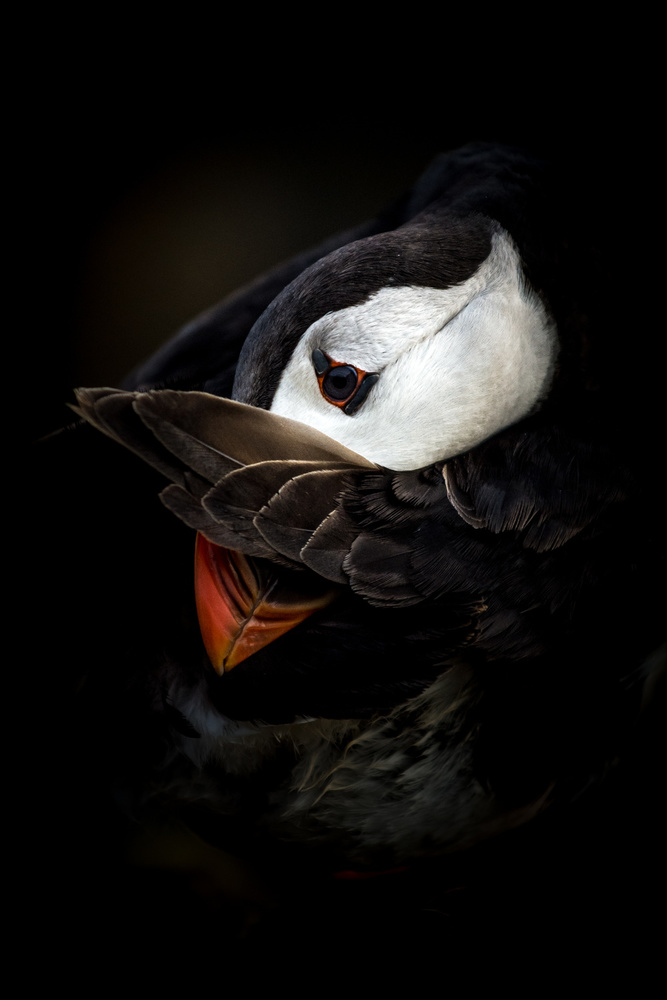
[(243, 604)]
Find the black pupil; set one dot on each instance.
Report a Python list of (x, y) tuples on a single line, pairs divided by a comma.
[(340, 382)]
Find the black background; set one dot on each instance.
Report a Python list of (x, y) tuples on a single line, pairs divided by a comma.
[(156, 168), (153, 172)]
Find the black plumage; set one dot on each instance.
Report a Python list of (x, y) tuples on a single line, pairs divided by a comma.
[(495, 614)]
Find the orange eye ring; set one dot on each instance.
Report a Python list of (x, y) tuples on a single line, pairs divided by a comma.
[(341, 384)]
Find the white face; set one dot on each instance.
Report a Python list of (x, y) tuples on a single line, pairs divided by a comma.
[(455, 365)]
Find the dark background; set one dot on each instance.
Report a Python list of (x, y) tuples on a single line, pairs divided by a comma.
[(156, 168), (154, 173)]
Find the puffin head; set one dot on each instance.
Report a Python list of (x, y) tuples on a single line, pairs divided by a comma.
[(406, 347)]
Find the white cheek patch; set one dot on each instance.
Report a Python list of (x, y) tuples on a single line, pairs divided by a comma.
[(456, 365)]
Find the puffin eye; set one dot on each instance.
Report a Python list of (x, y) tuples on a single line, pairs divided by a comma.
[(339, 383), (345, 386)]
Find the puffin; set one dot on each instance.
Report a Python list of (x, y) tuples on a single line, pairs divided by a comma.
[(367, 573)]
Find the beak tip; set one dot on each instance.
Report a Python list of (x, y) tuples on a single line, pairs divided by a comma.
[(239, 611)]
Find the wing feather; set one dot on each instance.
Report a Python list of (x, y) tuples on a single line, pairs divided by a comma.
[(544, 482)]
